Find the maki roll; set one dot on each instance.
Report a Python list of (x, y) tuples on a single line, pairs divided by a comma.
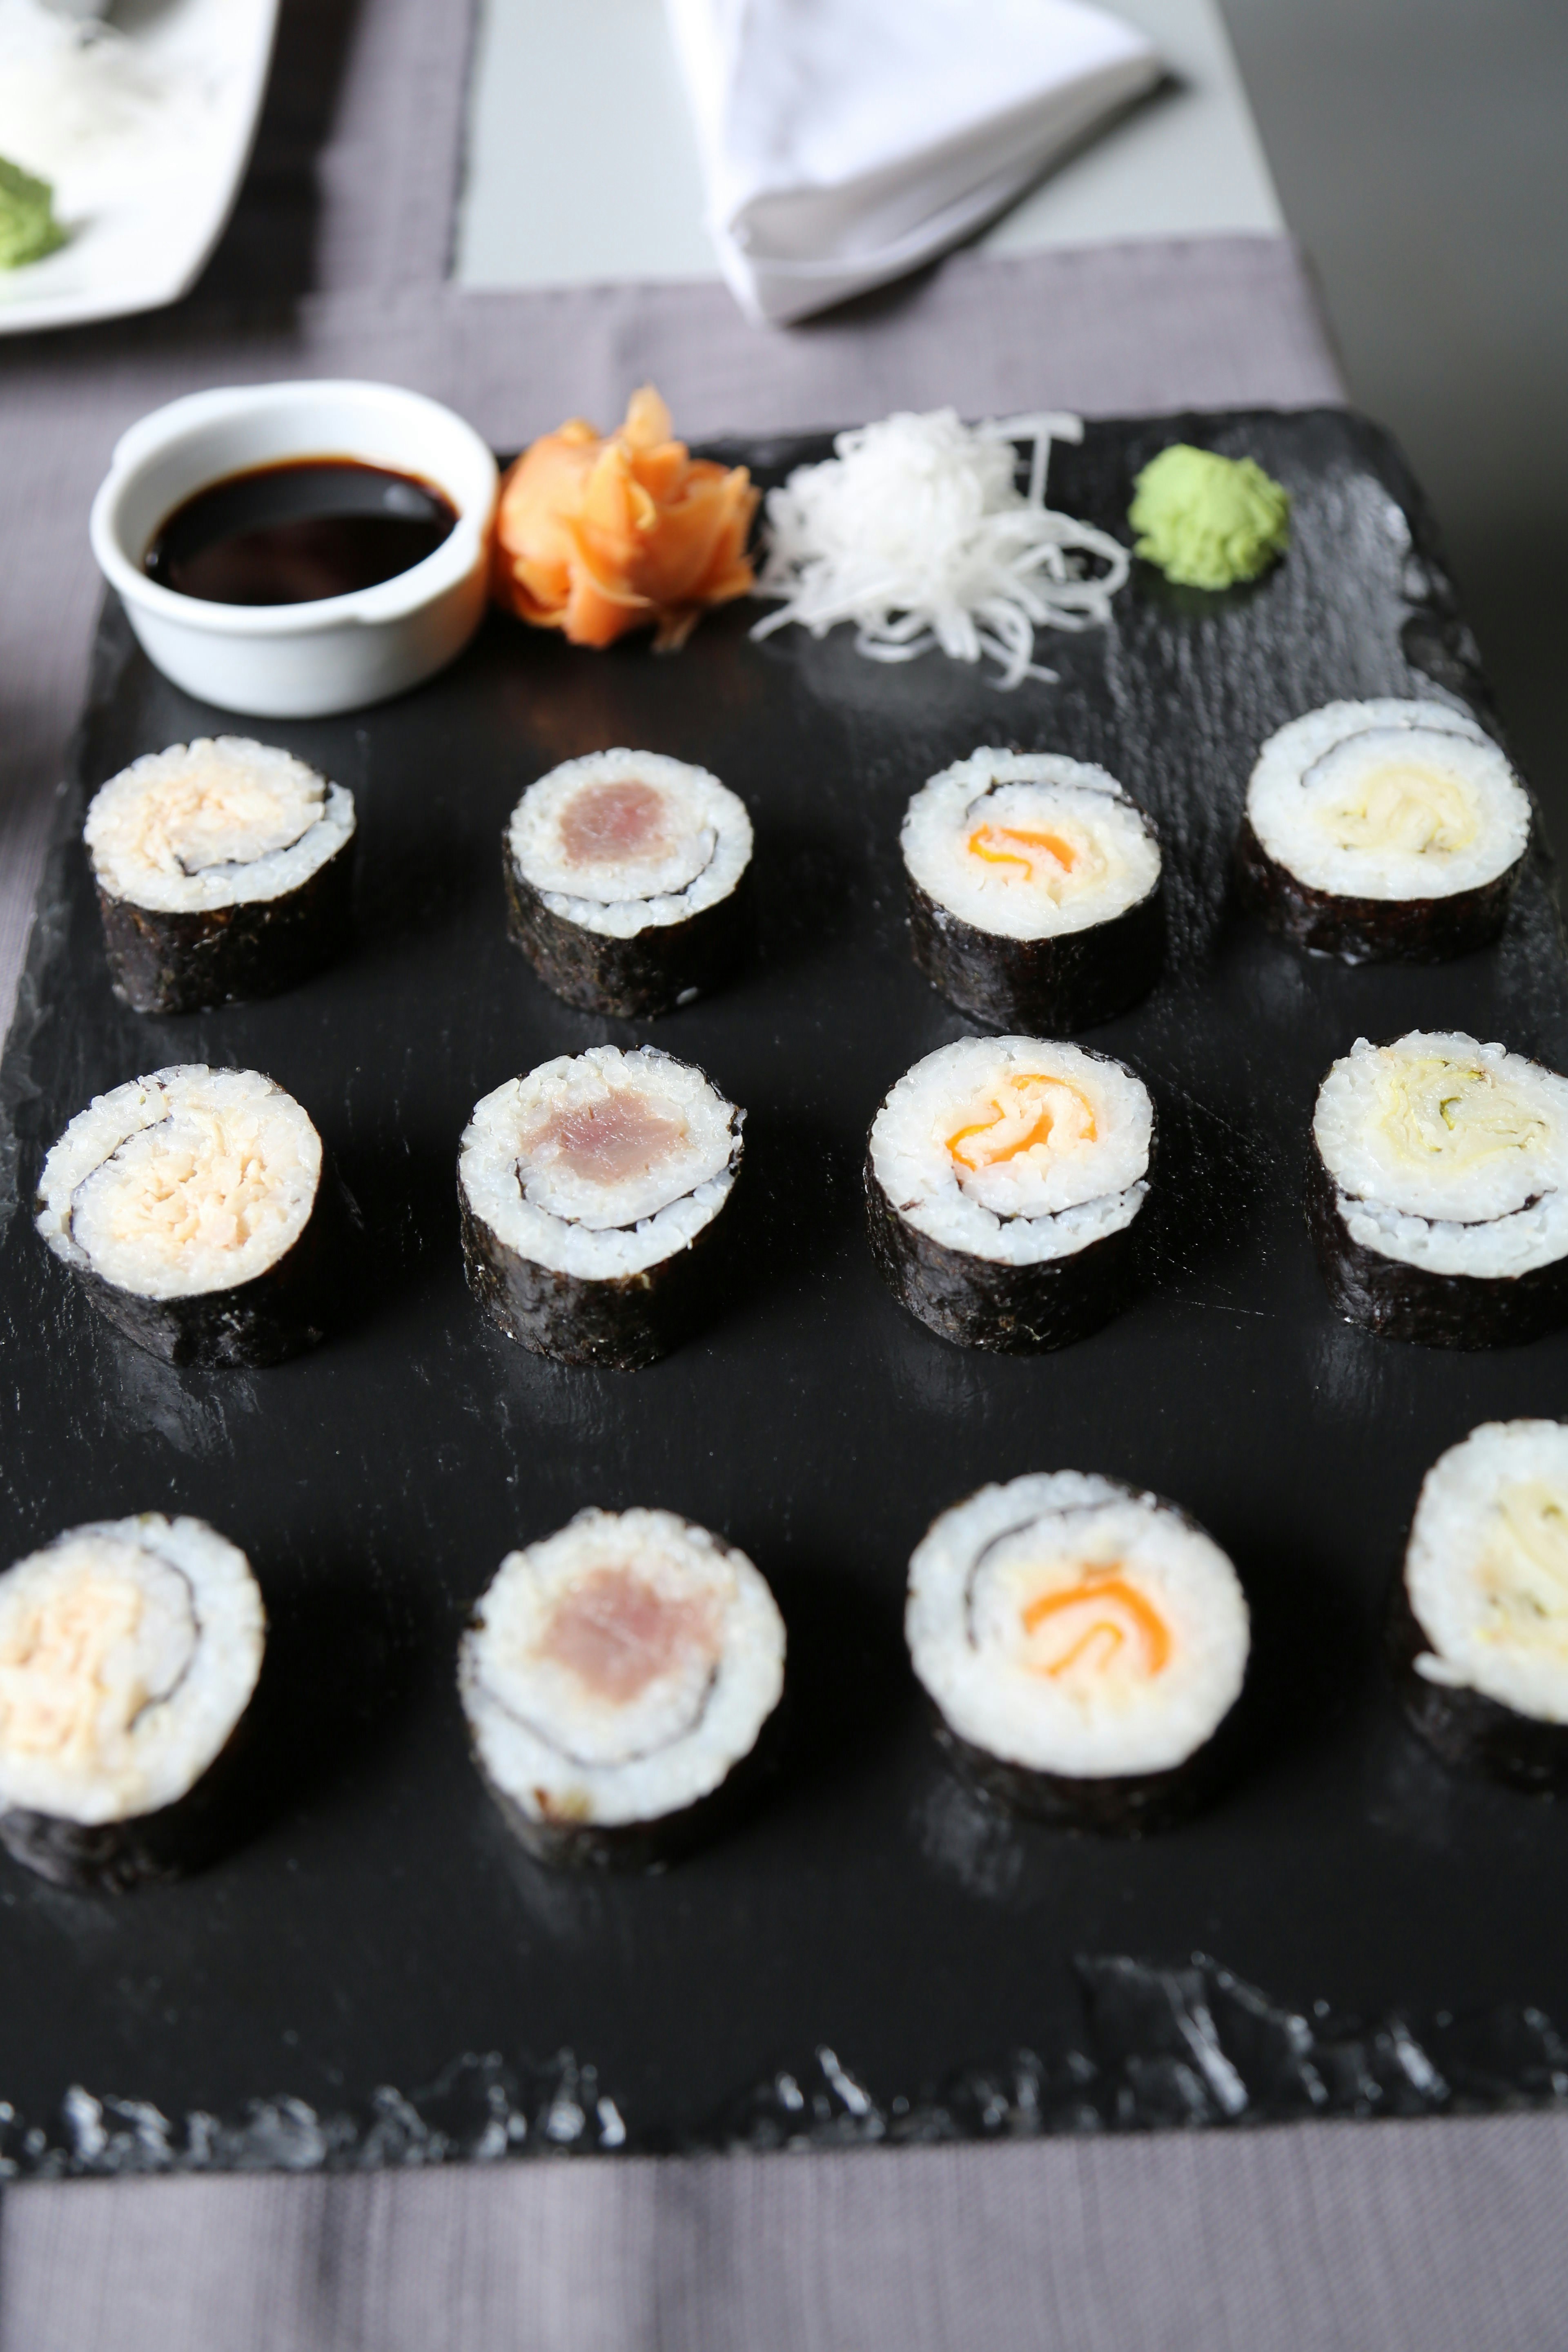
[(1478, 1629), (1082, 1643), (625, 876), (1383, 831), (589, 1192), (195, 1211), (1002, 1185), (1034, 888), (222, 872), (129, 1652), (1437, 1192), (616, 1678)]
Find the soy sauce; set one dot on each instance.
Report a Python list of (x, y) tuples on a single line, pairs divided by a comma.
[(290, 533)]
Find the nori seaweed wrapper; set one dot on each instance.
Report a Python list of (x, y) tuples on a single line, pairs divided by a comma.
[(1129, 1805), (1466, 1726), (1016, 1310), (186, 962), (1369, 931), (636, 979), (275, 1315), (1396, 1301), (1039, 988), (620, 1323)]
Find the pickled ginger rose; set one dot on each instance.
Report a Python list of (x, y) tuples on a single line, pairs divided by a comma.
[(599, 536)]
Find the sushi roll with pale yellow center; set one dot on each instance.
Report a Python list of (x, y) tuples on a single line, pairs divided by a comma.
[(1003, 1182), (1033, 891), (223, 869), (1383, 831), (1478, 1632), (1437, 1191), (616, 1677), (626, 877), (1081, 1643), (195, 1212), (589, 1192), (129, 1652)]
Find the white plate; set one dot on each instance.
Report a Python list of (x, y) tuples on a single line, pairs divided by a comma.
[(146, 211)]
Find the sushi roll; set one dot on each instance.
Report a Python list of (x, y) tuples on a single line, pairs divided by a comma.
[(1002, 1185), (1034, 888), (129, 1652), (223, 870), (195, 1211), (1478, 1629), (589, 1192), (1383, 831), (1082, 1645), (625, 881), (1437, 1192), (616, 1677)]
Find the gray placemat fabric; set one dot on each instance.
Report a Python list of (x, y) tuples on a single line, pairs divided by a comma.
[(1421, 2237), (1213, 323)]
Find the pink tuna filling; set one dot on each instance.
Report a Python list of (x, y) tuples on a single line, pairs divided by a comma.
[(606, 1141), (612, 824), (617, 1635)]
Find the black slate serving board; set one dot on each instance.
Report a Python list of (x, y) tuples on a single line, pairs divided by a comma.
[(842, 1965)]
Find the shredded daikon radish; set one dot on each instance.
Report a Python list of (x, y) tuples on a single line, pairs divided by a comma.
[(917, 531)]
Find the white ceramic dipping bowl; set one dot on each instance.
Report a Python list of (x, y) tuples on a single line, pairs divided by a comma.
[(338, 652)]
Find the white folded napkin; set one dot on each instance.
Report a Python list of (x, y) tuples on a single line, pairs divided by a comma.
[(846, 142)]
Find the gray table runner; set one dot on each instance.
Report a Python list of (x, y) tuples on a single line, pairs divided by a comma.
[(1442, 2236)]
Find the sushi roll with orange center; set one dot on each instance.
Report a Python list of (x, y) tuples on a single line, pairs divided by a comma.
[(1033, 889), (1003, 1182), (1082, 1645)]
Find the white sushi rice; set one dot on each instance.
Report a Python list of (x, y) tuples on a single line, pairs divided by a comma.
[(536, 1201), (1010, 1198), (186, 1182), (1071, 1625), (129, 1650), (699, 845), (971, 840), (1447, 1154), (1388, 800), (1487, 1570), (217, 823), (636, 1740)]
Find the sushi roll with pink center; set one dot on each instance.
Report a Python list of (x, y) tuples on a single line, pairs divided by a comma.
[(616, 1678), (589, 1192), (626, 877)]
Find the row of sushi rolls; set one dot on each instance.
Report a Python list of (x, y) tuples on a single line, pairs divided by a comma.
[(1082, 1645)]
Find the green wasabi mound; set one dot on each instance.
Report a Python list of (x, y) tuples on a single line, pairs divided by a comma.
[(29, 228), (1208, 521)]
